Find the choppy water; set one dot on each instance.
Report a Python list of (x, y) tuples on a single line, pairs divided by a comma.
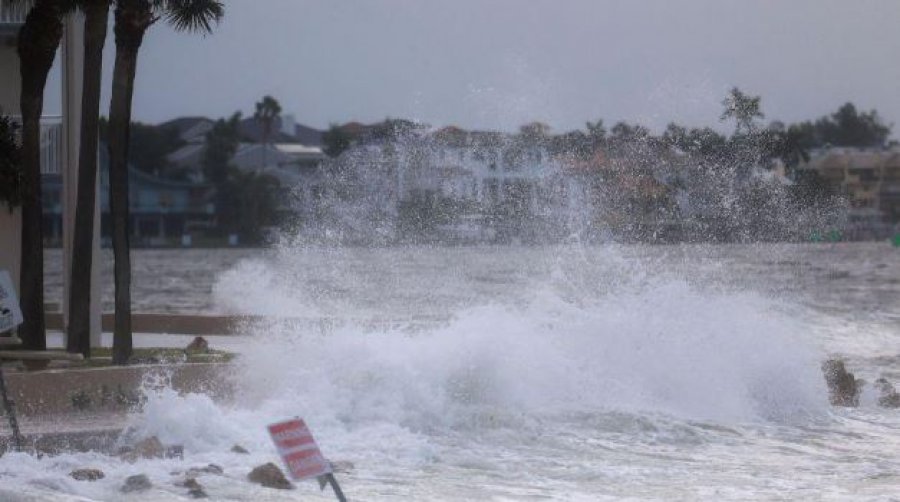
[(553, 373)]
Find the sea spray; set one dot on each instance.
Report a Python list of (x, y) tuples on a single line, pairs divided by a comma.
[(668, 348)]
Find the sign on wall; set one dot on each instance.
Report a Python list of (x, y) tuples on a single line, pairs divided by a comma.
[(10, 312)]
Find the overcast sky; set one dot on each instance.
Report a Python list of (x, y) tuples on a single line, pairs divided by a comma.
[(501, 63)]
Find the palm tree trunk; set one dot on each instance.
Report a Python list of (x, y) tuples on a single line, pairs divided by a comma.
[(79, 330), (132, 20), (39, 38)]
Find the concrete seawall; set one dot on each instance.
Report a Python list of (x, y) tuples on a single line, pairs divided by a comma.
[(87, 409), (109, 389)]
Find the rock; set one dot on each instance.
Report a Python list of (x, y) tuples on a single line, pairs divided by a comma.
[(843, 387), (150, 447), (136, 483), (209, 469), (195, 489), (239, 449), (342, 466), (270, 476), (198, 493), (198, 344), (87, 474), (889, 397)]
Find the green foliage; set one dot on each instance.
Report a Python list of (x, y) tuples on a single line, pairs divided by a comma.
[(335, 140), (193, 15), (222, 142), (535, 130), (744, 109), (394, 129), (10, 164), (847, 127), (249, 204), (148, 147), (267, 110)]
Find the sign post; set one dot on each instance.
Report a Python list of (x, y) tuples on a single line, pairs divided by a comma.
[(10, 318), (301, 455), (10, 312)]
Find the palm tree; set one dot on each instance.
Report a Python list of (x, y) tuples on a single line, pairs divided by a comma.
[(96, 14), (267, 111), (743, 108), (38, 41), (132, 19)]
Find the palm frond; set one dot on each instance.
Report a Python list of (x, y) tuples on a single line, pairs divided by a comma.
[(193, 15)]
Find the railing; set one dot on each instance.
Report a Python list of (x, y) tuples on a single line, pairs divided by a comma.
[(13, 12), (51, 143)]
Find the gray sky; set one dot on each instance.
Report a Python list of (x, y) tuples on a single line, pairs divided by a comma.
[(500, 63)]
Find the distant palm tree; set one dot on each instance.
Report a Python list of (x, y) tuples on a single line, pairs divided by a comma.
[(743, 108), (132, 19), (267, 111), (38, 41), (96, 16)]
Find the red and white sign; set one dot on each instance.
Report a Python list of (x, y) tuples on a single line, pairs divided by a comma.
[(298, 449)]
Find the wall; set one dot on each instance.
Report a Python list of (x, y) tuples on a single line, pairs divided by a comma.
[(10, 224), (10, 240)]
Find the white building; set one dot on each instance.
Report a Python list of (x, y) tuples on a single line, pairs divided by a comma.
[(60, 138)]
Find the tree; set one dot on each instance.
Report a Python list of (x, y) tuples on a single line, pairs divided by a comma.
[(535, 130), (336, 140), (848, 127), (744, 109), (222, 142), (149, 146), (132, 19), (38, 41), (249, 204), (267, 111), (96, 14), (596, 133)]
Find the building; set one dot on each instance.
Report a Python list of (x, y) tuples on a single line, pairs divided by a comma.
[(869, 178), (162, 211), (59, 155)]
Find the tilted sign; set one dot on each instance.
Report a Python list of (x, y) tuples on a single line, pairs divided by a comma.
[(298, 449), (10, 312)]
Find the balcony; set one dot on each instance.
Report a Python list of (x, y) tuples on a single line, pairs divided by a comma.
[(12, 14), (51, 143)]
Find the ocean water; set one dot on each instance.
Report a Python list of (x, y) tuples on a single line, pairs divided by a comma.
[(530, 373)]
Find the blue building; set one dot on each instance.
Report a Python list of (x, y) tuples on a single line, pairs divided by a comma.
[(162, 211)]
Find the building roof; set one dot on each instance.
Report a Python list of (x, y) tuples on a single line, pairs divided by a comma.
[(296, 148), (252, 130), (308, 135)]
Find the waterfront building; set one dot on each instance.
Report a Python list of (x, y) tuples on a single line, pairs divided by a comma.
[(869, 178)]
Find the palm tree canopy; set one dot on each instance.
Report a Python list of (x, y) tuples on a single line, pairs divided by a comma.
[(267, 109), (191, 15)]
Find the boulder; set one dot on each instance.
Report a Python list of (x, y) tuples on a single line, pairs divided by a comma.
[(198, 345), (239, 449), (209, 469), (270, 476), (195, 489), (87, 474), (136, 483), (843, 387), (888, 398)]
